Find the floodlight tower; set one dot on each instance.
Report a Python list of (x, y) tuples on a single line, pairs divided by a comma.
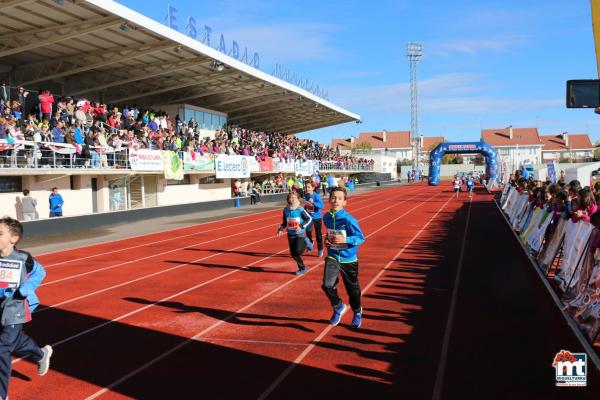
[(414, 52)]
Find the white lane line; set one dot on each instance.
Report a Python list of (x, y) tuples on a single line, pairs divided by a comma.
[(439, 379), (198, 336), (325, 331), (141, 309)]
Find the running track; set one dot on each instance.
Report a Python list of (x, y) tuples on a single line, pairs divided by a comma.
[(452, 310)]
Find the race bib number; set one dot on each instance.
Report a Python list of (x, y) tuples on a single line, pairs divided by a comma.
[(335, 233), (10, 273), (293, 223), (310, 207)]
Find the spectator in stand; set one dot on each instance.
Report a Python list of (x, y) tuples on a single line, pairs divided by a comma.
[(29, 204), (46, 100), (56, 203)]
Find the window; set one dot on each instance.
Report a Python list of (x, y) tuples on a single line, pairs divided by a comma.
[(210, 180), (185, 181), (10, 184)]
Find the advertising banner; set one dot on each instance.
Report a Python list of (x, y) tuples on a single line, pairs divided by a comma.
[(266, 165), (146, 160), (173, 166), (576, 238), (282, 166), (197, 162), (304, 168), (232, 166), (552, 167)]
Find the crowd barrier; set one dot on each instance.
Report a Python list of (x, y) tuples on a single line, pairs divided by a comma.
[(30, 154), (561, 250)]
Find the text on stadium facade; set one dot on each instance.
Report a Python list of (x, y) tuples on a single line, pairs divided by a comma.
[(192, 31)]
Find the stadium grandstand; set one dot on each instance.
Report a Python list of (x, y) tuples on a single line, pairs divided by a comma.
[(95, 96)]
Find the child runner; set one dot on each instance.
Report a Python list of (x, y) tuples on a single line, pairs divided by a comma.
[(470, 186), (295, 221), (314, 205), (342, 241), (22, 275), (456, 183)]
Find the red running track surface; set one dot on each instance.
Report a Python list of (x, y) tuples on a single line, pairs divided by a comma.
[(451, 310)]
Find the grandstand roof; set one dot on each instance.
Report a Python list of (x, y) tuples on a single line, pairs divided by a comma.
[(520, 136), (102, 50), (558, 143)]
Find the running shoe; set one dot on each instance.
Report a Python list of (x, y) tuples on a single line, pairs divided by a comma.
[(44, 363), (337, 314), (320, 253), (300, 272), (357, 320)]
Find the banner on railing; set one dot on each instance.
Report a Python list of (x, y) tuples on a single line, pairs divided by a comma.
[(231, 166), (536, 236), (146, 160), (305, 168), (266, 164), (577, 235), (282, 165), (198, 162), (173, 167), (253, 165), (552, 167)]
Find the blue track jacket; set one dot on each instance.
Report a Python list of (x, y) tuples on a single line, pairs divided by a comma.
[(315, 207), (293, 219), (343, 221)]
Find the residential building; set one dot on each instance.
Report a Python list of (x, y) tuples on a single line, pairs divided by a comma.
[(577, 147), (516, 146)]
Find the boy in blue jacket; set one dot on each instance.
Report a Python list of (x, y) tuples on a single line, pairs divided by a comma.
[(295, 221), (20, 275), (342, 241), (314, 205)]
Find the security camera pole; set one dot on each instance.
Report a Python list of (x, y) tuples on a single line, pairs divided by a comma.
[(414, 51)]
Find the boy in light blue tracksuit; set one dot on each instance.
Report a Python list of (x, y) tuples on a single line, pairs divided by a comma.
[(342, 241), (20, 275), (314, 205), (295, 221)]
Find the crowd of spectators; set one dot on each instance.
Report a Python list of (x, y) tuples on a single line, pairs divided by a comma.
[(93, 126)]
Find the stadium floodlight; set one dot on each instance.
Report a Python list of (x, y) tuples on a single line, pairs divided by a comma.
[(124, 27), (414, 52)]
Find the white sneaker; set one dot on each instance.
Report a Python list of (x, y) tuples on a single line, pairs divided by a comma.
[(44, 363)]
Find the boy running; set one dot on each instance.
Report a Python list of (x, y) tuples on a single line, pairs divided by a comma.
[(470, 186), (295, 221), (21, 275), (314, 205), (342, 241)]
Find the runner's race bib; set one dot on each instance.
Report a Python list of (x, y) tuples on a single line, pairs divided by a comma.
[(331, 233), (10, 273), (310, 207), (293, 223)]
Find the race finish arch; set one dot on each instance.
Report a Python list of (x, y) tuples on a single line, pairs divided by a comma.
[(435, 158)]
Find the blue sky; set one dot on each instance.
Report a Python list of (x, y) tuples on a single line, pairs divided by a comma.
[(486, 64)]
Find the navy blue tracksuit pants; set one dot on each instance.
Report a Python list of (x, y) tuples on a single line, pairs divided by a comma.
[(13, 341)]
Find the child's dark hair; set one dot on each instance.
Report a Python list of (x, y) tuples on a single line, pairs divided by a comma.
[(14, 227), (574, 186), (586, 198), (597, 187), (25, 192), (338, 189)]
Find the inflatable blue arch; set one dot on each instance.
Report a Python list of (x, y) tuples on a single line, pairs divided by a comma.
[(435, 158)]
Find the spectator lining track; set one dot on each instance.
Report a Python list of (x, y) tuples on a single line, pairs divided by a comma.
[(452, 309)]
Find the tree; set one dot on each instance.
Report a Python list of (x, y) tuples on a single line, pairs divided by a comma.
[(597, 150), (479, 160)]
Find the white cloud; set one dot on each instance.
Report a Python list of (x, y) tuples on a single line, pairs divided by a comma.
[(476, 46), (457, 93)]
